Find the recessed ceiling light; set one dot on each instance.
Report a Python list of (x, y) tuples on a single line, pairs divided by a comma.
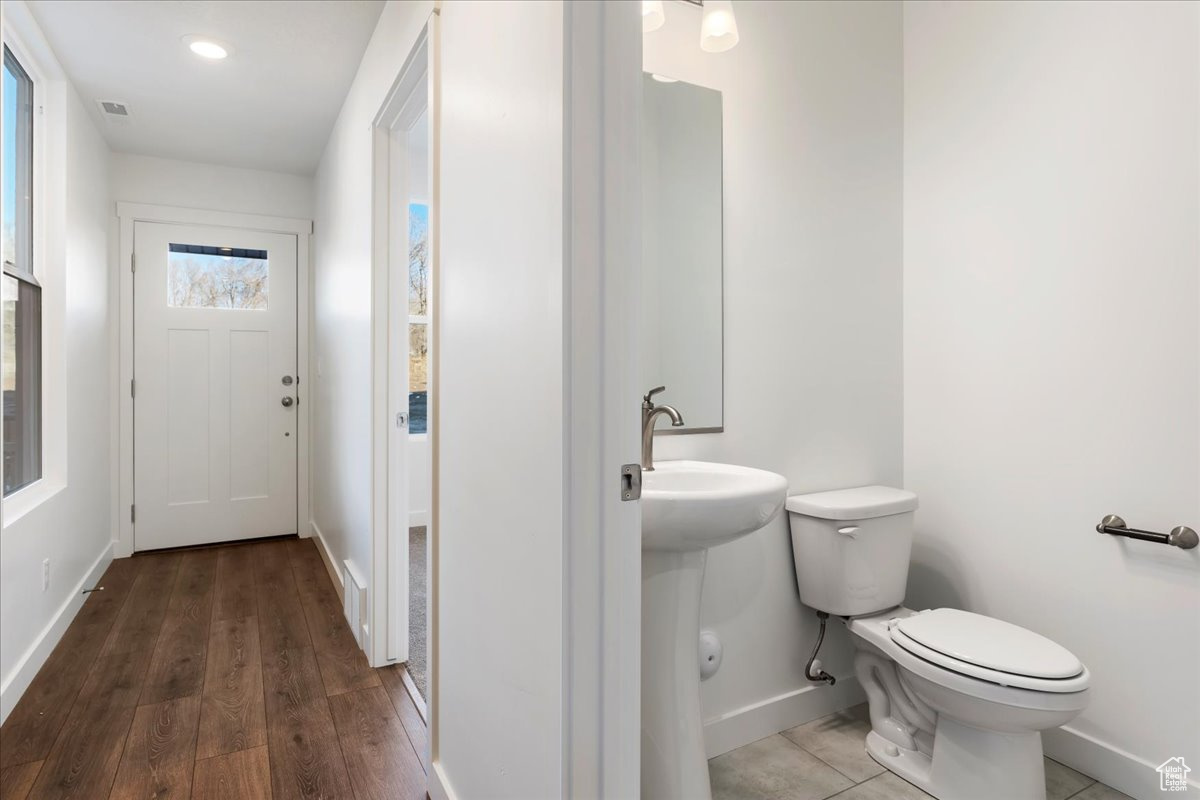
[(663, 78), (207, 48)]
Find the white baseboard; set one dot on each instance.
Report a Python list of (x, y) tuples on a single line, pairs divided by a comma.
[(18, 680), (335, 575), (415, 696), (750, 723), (439, 784), (1125, 772), (418, 519)]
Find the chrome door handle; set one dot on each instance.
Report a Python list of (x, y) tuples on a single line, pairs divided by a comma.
[(287, 402)]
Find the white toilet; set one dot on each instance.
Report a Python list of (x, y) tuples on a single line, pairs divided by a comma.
[(957, 700)]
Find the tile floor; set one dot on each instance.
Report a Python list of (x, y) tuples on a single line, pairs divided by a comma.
[(826, 758)]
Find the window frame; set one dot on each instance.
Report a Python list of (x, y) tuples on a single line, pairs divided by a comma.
[(20, 34), (23, 227), (23, 268)]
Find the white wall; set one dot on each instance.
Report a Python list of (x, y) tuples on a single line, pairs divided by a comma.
[(812, 106), (499, 689), (341, 454), (1052, 346), (187, 184), (71, 527)]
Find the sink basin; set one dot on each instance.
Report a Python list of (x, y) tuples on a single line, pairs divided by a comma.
[(687, 507), (695, 505)]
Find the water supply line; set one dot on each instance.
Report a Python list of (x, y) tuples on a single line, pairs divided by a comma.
[(820, 675)]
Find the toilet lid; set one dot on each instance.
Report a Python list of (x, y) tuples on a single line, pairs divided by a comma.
[(986, 642)]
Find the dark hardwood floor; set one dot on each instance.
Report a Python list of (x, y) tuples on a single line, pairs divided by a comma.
[(226, 672)]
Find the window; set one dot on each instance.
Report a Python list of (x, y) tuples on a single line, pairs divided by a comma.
[(201, 276), (21, 292), (418, 318)]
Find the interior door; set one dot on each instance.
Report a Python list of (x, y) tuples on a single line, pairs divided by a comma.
[(215, 385)]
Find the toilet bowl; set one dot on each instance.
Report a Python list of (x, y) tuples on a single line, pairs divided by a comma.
[(957, 728), (957, 700)]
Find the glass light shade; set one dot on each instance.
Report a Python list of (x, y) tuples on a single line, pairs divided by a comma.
[(718, 28), (653, 17)]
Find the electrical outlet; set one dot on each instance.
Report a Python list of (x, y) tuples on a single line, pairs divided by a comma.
[(45, 574)]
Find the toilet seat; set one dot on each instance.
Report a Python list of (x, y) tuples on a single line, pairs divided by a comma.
[(989, 649)]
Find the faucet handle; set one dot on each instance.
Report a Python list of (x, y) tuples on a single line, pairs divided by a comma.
[(656, 390)]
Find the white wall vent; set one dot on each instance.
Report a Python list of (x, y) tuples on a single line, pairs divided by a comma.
[(114, 111), (355, 601)]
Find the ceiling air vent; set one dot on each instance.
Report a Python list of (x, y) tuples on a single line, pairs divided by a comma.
[(114, 111)]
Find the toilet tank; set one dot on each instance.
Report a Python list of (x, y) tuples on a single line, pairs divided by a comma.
[(851, 548)]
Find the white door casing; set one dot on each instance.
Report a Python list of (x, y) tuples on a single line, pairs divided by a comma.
[(392, 190), (398, 378), (215, 448)]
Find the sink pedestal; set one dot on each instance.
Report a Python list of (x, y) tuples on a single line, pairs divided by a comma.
[(687, 508), (674, 766)]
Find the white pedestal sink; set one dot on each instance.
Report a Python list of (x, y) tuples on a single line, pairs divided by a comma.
[(687, 507)]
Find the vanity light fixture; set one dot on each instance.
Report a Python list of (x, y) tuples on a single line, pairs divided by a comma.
[(653, 16), (718, 28), (718, 25), (207, 48)]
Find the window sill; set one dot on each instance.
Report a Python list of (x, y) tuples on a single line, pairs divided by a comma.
[(29, 498)]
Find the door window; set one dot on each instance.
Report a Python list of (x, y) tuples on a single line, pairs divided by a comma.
[(202, 276)]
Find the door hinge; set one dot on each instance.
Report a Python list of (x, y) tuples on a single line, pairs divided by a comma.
[(631, 482), (133, 262), (132, 388), (132, 514)]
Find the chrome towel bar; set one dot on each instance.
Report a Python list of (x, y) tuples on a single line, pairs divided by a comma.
[(1181, 536)]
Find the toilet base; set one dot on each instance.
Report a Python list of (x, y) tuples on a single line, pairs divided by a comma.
[(969, 763)]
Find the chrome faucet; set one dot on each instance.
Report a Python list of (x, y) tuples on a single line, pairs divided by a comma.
[(650, 414)]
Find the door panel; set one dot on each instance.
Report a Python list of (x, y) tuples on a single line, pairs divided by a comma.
[(215, 425)]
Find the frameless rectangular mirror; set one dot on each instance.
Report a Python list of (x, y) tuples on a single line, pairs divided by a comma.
[(682, 284)]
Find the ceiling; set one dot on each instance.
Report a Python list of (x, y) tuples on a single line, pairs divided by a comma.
[(270, 105)]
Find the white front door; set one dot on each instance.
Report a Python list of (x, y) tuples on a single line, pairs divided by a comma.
[(215, 384)]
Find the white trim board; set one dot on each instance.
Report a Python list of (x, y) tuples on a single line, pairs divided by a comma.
[(26, 669), (1125, 772), (439, 785), (327, 557), (757, 721), (415, 696), (121, 295)]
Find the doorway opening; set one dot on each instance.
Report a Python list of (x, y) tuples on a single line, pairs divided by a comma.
[(404, 382)]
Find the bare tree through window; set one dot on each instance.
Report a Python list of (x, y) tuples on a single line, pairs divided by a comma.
[(418, 260), (209, 280), (418, 311)]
